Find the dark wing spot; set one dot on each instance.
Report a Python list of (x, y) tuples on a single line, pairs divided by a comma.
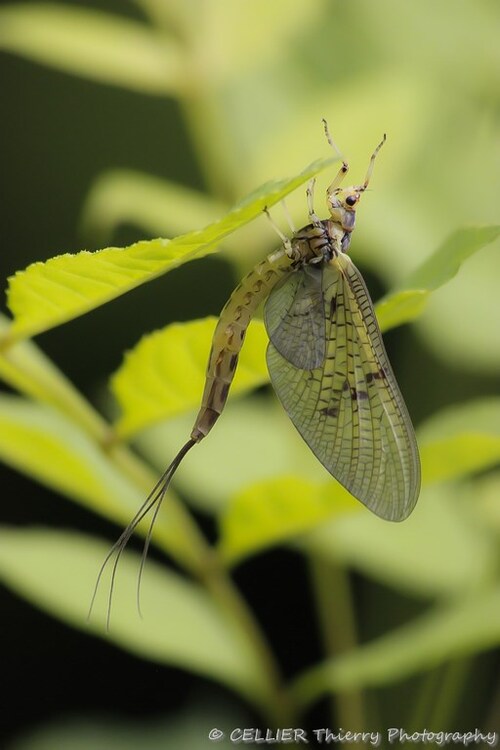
[(355, 394), (329, 411), (379, 375), (333, 307)]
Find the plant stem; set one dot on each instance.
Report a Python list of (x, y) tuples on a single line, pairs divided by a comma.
[(203, 563), (439, 696), (453, 681), (277, 705), (421, 707), (338, 629), (25, 367), (28, 370)]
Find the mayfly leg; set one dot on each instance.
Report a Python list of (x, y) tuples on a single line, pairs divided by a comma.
[(288, 218), (310, 204), (286, 242)]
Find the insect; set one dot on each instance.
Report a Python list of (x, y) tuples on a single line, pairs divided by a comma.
[(327, 363)]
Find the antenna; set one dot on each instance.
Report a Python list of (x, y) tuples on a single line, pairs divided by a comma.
[(372, 162)]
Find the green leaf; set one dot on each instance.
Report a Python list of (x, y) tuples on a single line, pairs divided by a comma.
[(460, 440), (436, 552), (25, 368), (455, 631), (454, 444), (400, 307), (170, 365), (254, 441), (409, 301), (51, 293), (459, 455), (487, 491), (185, 728), (157, 206), (182, 626), (445, 263), (42, 443), (277, 510), (99, 46)]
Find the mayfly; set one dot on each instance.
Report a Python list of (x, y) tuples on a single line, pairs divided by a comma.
[(327, 363)]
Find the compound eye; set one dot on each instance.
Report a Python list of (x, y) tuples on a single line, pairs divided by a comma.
[(351, 200)]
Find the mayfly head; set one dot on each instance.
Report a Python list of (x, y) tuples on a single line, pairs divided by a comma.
[(342, 202), (342, 205)]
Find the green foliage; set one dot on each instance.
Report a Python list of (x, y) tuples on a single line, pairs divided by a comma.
[(184, 731), (275, 511), (435, 554), (409, 301), (45, 444), (93, 44), (446, 633), (48, 294), (268, 436), (456, 556), (249, 105), (163, 377), (125, 196), (188, 628), (170, 366), (461, 439)]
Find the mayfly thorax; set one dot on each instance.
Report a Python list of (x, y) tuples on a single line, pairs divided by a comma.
[(327, 363)]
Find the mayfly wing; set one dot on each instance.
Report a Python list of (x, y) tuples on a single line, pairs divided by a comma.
[(294, 318), (349, 410)]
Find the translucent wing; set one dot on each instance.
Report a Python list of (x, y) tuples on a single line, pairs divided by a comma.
[(295, 319), (349, 410)]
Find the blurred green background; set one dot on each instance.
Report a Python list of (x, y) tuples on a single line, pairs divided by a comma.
[(129, 120)]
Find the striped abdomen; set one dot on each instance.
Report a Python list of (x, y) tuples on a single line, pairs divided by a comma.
[(230, 334)]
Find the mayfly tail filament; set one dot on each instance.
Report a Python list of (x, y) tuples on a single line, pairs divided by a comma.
[(152, 502)]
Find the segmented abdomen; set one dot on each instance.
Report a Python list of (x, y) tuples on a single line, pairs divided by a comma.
[(230, 334)]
